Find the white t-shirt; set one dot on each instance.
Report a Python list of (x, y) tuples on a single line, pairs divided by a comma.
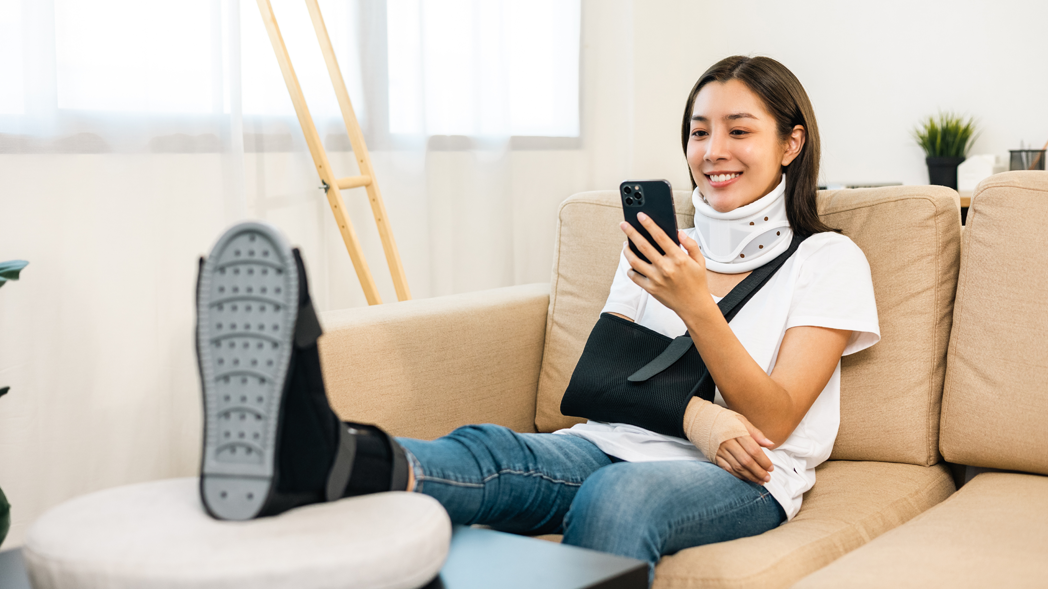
[(826, 283)]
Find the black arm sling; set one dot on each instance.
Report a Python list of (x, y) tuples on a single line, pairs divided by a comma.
[(631, 374)]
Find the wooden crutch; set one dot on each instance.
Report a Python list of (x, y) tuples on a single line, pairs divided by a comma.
[(332, 185)]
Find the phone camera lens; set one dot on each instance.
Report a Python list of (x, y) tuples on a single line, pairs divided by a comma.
[(629, 200), (626, 189)]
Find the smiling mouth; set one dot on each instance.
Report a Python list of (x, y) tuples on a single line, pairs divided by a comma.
[(722, 179)]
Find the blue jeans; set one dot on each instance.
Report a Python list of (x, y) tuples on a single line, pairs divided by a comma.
[(546, 483)]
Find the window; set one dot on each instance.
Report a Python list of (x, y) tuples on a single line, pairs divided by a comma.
[(468, 67), (143, 69)]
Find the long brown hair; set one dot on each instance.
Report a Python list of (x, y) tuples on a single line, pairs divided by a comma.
[(788, 103)]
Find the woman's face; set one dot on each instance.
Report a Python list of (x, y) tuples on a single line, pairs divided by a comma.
[(734, 151)]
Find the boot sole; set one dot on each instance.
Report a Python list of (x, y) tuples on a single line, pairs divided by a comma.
[(247, 306)]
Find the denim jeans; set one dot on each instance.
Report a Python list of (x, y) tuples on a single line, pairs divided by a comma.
[(546, 483)]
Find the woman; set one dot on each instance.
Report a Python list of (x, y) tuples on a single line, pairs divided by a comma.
[(752, 147)]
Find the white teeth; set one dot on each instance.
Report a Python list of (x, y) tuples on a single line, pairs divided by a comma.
[(723, 177)]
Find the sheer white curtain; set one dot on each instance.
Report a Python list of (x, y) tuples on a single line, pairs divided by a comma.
[(132, 133), (121, 158)]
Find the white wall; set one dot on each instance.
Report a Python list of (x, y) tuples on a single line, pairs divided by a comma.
[(871, 69), (96, 339)]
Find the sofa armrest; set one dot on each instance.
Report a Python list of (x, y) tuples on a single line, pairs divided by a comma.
[(422, 368)]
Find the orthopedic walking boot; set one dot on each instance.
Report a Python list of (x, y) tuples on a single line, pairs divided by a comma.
[(271, 440)]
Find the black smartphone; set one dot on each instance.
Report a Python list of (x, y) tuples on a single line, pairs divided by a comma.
[(654, 198)]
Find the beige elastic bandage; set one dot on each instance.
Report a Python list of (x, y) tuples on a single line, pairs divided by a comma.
[(709, 425)]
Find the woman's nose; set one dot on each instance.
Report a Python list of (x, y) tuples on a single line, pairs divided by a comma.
[(716, 147)]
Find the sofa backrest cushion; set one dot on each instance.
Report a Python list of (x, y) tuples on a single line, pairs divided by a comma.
[(890, 393), (995, 401)]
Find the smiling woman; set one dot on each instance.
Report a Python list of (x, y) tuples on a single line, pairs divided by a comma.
[(755, 114), (752, 148)]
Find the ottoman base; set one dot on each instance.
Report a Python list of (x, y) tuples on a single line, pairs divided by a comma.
[(157, 534)]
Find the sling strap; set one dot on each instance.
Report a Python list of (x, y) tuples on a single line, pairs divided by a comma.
[(729, 306)]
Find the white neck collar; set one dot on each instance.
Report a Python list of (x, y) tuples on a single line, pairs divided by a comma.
[(746, 238)]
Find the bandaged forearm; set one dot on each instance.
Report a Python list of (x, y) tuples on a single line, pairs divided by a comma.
[(709, 425)]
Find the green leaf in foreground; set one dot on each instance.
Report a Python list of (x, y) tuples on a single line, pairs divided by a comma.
[(5, 516), (9, 270)]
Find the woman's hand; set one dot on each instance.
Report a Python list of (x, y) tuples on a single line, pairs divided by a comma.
[(744, 457), (676, 279)]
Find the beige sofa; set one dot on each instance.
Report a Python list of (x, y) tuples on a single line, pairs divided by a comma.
[(994, 531), (422, 368)]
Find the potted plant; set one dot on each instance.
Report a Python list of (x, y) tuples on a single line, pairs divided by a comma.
[(8, 271), (946, 141)]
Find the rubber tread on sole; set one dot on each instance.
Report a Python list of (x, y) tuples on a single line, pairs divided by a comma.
[(246, 311)]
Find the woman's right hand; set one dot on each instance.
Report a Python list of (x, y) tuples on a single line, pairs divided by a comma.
[(744, 456)]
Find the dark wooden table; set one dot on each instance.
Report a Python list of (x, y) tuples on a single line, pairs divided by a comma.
[(482, 559)]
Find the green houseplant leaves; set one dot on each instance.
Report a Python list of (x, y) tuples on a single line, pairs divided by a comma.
[(8, 271), (949, 135), (5, 516)]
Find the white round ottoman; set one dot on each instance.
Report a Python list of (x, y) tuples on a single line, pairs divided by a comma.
[(157, 534)]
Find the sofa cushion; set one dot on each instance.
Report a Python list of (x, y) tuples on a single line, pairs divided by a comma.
[(157, 534), (422, 368), (852, 503), (890, 393), (991, 533), (995, 399)]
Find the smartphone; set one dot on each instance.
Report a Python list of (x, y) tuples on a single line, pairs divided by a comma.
[(654, 198)]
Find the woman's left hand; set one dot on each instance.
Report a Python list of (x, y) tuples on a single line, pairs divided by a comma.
[(676, 279)]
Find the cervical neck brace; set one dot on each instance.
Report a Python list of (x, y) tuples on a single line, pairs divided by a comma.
[(746, 238)]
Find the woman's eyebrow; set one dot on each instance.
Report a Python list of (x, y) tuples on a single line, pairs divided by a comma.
[(731, 117)]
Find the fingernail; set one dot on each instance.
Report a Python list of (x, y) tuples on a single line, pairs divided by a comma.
[(641, 216)]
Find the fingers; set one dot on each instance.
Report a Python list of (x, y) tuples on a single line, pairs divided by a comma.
[(723, 464), (750, 461), (641, 268), (643, 245), (734, 467), (753, 449), (657, 233), (692, 247)]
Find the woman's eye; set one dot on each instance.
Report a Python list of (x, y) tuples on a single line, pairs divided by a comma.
[(698, 133), (738, 132)]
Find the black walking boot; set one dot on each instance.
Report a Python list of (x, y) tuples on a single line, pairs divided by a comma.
[(271, 440)]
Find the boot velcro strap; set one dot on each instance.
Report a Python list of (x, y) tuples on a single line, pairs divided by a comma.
[(338, 477), (399, 479)]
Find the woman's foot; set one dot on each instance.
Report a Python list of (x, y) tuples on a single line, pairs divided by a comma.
[(271, 440)]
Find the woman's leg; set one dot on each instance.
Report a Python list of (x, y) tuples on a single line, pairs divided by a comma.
[(649, 509), (491, 475)]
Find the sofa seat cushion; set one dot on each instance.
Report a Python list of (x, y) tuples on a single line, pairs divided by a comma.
[(157, 535), (851, 503), (991, 533)]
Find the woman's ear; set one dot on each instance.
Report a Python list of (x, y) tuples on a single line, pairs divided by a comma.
[(794, 143)]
